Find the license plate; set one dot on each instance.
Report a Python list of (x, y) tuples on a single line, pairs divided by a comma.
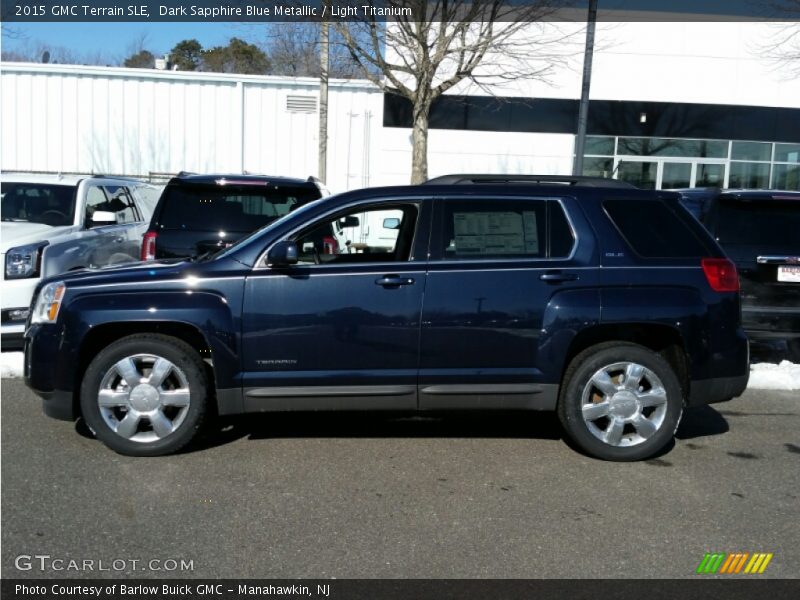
[(789, 274)]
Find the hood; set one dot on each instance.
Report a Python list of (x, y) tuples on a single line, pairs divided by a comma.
[(19, 233), (134, 274)]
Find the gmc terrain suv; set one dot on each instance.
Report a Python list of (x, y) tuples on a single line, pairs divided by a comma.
[(608, 304)]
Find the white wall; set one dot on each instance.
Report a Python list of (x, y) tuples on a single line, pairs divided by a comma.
[(698, 62), (136, 121)]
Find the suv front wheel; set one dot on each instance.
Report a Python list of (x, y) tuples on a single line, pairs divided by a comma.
[(145, 395), (620, 401)]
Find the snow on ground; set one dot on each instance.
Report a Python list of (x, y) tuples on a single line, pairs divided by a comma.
[(763, 376), (10, 364), (769, 376)]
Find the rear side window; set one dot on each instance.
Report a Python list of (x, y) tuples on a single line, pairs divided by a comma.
[(482, 229), (238, 209), (762, 222), (653, 230)]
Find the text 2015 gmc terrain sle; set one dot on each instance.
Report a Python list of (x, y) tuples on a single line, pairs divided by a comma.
[(607, 304)]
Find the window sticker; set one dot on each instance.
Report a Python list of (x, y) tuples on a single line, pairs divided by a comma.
[(487, 233)]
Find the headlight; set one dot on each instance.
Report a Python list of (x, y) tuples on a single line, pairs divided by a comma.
[(24, 261), (48, 303)]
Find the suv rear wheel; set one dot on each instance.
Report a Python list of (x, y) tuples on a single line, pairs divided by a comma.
[(145, 395), (620, 401)]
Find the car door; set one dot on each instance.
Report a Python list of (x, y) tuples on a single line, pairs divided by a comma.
[(339, 330), (492, 326)]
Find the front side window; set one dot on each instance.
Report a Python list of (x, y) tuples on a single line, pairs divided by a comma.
[(111, 199), (52, 205), (363, 235), (486, 229)]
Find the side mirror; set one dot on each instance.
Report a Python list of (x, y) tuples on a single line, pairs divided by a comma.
[(391, 223), (102, 217), (349, 222), (282, 254)]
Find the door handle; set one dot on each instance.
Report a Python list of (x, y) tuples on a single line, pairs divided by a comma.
[(557, 277), (393, 281)]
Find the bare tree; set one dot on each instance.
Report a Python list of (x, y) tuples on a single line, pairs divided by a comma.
[(294, 49), (485, 42), (784, 47)]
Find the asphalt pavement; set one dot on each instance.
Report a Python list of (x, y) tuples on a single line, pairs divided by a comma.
[(352, 496)]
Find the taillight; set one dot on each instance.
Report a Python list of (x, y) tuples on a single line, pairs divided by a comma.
[(721, 274), (149, 245)]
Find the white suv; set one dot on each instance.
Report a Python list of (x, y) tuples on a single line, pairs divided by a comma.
[(52, 224)]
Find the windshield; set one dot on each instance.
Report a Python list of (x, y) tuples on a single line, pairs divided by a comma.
[(295, 213), (769, 223), (43, 203)]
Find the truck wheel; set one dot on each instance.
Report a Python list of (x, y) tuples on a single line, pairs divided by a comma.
[(145, 395), (620, 401)]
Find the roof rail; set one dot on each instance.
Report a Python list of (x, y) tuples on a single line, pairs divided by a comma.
[(572, 180), (184, 173)]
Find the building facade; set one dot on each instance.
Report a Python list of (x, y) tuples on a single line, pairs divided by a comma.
[(673, 104)]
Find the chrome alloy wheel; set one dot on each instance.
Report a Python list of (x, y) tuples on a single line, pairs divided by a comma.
[(624, 404), (144, 398)]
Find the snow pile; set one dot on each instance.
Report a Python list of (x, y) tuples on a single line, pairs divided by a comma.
[(768, 376), (11, 364)]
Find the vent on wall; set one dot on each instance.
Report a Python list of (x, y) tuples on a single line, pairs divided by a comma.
[(301, 104)]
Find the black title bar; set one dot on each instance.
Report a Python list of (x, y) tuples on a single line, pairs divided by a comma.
[(735, 588), (145, 11)]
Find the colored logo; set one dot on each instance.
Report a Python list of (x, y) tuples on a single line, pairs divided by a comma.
[(734, 563)]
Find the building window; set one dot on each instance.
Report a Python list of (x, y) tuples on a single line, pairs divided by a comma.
[(638, 146), (672, 163), (786, 177), (787, 153), (600, 146), (598, 166), (751, 151), (749, 176)]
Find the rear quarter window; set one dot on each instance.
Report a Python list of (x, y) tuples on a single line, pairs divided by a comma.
[(655, 230)]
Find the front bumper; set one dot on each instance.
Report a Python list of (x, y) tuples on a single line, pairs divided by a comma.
[(42, 372), (17, 294)]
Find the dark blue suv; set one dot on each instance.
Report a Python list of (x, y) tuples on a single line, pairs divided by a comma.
[(608, 304)]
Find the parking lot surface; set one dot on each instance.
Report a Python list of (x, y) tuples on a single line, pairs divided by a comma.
[(461, 496)]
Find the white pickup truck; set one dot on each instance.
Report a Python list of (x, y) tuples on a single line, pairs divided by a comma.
[(52, 224)]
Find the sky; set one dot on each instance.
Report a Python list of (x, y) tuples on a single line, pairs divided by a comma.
[(113, 40)]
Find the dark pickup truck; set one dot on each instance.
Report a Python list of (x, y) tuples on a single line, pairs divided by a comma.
[(607, 304)]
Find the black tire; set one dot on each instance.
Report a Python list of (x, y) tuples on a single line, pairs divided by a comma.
[(182, 356), (576, 379)]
